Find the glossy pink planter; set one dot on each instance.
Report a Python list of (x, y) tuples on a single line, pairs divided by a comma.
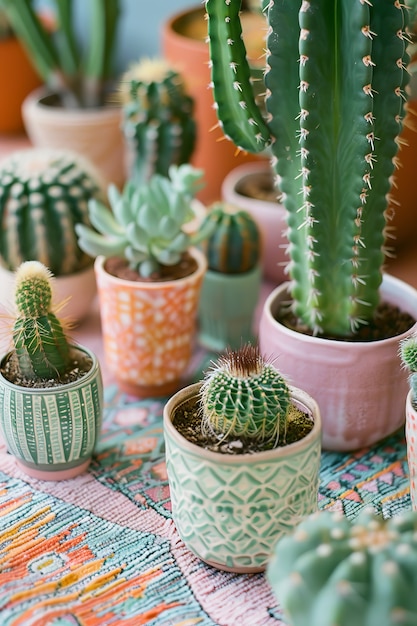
[(360, 386)]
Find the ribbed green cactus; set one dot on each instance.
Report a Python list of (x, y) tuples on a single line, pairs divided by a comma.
[(335, 93), (330, 571), (158, 118), (41, 345), (408, 354), (234, 246), (146, 226), (43, 194), (243, 395)]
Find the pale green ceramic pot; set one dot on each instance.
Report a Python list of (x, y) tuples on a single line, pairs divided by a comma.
[(227, 307), (230, 510), (52, 431)]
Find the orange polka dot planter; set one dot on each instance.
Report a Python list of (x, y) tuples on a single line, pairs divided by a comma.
[(149, 328)]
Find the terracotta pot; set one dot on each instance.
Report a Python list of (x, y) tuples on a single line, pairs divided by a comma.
[(227, 307), (188, 52), (94, 133), (74, 293), (148, 328), (270, 216), (18, 79), (411, 437), (231, 509), (52, 431), (359, 386)]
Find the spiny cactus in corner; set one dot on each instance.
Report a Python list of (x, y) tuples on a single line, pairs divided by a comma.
[(243, 395), (43, 194), (146, 226), (40, 342), (234, 246), (408, 354), (158, 120), (336, 77), (331, 571)]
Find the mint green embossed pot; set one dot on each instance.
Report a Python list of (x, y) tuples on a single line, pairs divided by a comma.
[(230, 510), (52, 431)]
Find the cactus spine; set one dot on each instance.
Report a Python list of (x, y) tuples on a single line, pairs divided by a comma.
[(158, 118), (331, 571), (242, 395), (43, 194), (39, 339), (408, 354), (235, 243), (335, 95)]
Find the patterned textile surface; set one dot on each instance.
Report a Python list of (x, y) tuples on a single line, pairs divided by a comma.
[(102, 549)]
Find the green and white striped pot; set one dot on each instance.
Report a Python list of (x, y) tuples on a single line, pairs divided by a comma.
[(52, 431), (230, 510)]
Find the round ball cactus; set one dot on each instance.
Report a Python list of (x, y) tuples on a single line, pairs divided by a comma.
[(158, 118), (234, 246), (330, 571), (43, 194), (40, 343), (408, 354), (243, 395)]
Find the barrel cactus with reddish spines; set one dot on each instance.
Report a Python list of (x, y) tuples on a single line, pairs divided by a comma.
[(243, 395), (331, 571), (234, 247), (158, 120), (44, 193)]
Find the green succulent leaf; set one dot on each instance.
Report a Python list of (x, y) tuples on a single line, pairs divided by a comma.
[(103, 220), (95, 244)]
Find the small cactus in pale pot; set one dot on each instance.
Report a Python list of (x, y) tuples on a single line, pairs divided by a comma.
[(234, 246), (158, 120), (40, 342), (243, 395), (331, 571), (147, 224), (408, 354), (43, 194)]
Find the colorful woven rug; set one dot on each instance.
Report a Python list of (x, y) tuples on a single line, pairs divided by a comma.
[(102, 549)]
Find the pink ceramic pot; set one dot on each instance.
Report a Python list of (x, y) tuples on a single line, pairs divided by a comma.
[(359, 386), (411, 436)]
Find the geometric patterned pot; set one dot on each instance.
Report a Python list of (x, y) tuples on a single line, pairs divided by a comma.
[(411, 437), (230, 510), (52, 431), (148, 328)]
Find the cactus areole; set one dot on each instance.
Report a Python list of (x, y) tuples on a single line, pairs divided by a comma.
[(336, 77)]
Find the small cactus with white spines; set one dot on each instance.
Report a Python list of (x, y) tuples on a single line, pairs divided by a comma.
[(243, 395), (363, 573), (43, 194), (234, 246), (40, 343), (158, 118), (408, 354)]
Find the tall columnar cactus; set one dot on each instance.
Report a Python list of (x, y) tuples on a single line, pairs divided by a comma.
[(40, 342), (331, 571), (158, 118), (408, 353), (43, 194), (335, 94), (243, 395), (234, 246), (148, 223)]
